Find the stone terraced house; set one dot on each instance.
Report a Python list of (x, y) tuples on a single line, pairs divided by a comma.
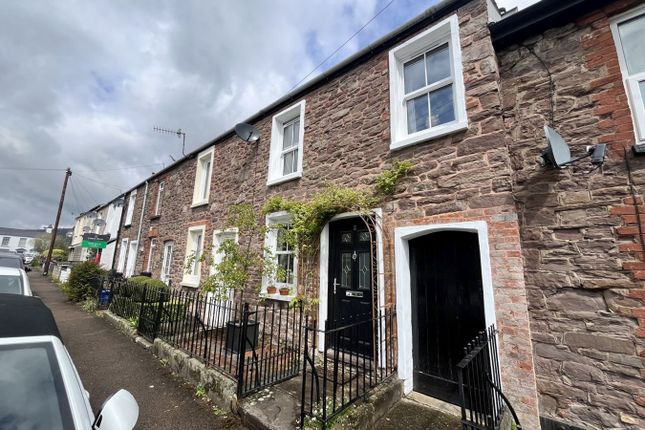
[(478, 233)]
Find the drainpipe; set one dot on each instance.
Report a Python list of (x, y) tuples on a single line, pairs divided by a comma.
[(118, 233), (143, 211)]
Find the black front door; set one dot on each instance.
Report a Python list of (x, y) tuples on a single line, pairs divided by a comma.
[(350, 282), (447, 308)]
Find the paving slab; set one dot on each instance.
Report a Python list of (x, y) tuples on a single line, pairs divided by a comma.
[(410, 415), (108, 360)]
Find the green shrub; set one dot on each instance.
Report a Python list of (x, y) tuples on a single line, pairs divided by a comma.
[(155, 289), (84, 280), (172, 311)]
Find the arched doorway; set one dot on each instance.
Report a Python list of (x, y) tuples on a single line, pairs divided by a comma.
[(447, 307)]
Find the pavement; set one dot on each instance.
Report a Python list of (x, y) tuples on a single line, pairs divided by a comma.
[(108, 360)]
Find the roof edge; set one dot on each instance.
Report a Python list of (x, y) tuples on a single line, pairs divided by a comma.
[(537, 18)]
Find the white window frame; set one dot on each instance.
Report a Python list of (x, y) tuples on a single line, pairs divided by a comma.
[(275, 175), (151, 252), (271, 244), (192, 279), (131, 261), (6, 240), (217, 312), (123, 252), (202, 187), (634, 97), (446, 31), (166, 263), (159, 196), (130, 213)]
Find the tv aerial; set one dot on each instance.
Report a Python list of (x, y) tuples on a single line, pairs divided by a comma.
[(558, 154), (180, 134), (247, 132)]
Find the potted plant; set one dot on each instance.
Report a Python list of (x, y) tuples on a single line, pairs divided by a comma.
[(285, 291), (271, 289)]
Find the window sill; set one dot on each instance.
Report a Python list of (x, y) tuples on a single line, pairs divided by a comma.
[(278, 297), (154, 217), (433, 133), (127, 225), (189, 284), (199, 204), (286, 178)]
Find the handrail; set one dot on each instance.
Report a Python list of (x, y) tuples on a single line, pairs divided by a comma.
[(508, 403)]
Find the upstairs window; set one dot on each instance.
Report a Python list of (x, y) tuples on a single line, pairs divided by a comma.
[(426, 86), (203, 175), (5, 241), (130, 212), (629, 34), (159, 197), (22, 242), (285, 160)]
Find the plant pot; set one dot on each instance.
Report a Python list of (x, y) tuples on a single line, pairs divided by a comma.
[(272, 290), (234, 331), (285, 291)]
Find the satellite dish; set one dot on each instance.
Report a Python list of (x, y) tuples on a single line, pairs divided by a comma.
[(91, 215), (86, 229), (119, 202), (558, 153), (247, 132), (99, 222)]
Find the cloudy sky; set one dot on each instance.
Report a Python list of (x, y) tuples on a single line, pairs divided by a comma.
[(84, 83)]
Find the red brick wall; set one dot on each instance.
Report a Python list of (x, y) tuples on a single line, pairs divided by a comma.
[(582, 253)]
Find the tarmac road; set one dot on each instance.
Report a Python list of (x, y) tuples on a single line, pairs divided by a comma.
[(107, 360)]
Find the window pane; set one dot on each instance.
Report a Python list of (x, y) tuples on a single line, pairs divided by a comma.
[(346, 270), (290, 162), (287, 140), (641, 86), (32, 393), (285, 264), (364, 278), (282, 244), (438, 64), (296, 131), (632, 37), (414, 75), (418, 118), (443, 109), (205, 178)]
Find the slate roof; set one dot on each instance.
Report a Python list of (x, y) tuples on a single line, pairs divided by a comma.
[(21, 232)]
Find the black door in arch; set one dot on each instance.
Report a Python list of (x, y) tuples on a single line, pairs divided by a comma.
[(447, 308), (350, 283)]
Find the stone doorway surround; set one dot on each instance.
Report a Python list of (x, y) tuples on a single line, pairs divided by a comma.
[(505, 301), (324, 268)]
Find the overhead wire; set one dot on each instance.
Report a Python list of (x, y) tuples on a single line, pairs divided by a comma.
[(343, 44)]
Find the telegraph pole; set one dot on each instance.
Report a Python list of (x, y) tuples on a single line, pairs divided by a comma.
[(68, 173)]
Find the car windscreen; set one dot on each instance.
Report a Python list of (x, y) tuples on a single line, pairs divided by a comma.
[(10, 261), (11, 284), (32, 393)]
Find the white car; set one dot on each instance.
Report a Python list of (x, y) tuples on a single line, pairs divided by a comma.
[(14, 281), (39, 385)]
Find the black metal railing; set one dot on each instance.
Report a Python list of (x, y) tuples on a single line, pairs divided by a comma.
[(257, 345), (482, 402), (347, 366)]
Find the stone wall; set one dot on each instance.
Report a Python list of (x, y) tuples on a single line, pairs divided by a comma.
[(459, 177), (583, 255)]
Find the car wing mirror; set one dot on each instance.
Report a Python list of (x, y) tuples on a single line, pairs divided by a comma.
[(119, 412)]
